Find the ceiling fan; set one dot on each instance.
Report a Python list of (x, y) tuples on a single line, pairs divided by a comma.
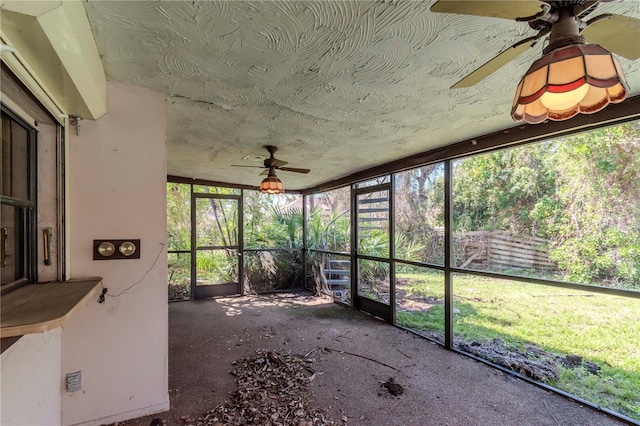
[(274, 163), (271, 184), (572, 76)]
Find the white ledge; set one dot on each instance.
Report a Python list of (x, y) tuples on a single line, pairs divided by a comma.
[(36, 308)]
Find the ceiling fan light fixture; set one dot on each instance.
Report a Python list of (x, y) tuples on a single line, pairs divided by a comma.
[(271, 184), (579, 78)]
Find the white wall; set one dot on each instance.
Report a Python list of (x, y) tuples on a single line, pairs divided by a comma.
[(117, 190), (47, 199), (31, 380)]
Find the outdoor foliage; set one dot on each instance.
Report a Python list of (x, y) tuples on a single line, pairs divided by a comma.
[(179, 238), (581, 192), (179, 279), (329, 221), (419, 195), (597, 228), (270, 222), (178, 217), (216, 267), (267, 271), (273, 222)]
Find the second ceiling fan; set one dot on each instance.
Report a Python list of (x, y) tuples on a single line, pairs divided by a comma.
[(274, 163), (271, 184)]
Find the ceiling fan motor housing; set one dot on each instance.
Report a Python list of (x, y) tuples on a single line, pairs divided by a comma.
[(565, 31)]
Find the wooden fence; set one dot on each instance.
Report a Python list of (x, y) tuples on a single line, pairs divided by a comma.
[(501, 250)]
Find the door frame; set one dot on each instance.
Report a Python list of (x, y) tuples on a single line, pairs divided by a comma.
[(226, 289), (374, 307)]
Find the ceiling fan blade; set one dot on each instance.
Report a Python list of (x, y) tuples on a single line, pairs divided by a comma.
[(238, 165), (266, 172), (294, 170), (277, 163), (618, 34), (494, 9), (495, 64)]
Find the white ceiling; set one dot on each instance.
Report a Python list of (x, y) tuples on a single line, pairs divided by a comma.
[(337, 86)]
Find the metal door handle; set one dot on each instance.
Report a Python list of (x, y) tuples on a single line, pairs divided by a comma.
[(4, 236), (46, 236)]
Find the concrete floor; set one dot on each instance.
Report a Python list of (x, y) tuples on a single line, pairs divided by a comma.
[(441, 387)]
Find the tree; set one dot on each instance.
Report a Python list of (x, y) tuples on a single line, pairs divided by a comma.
[(419, 212), (178, 216), (581, 192), (499, 190), (597, 231)]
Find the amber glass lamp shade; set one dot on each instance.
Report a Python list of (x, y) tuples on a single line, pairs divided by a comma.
[(271, 184), (580, 78)]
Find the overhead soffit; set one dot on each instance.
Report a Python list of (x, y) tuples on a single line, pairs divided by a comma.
[(337, 86), (55, 55)]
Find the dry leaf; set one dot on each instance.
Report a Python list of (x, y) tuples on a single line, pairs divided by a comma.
[(272, 390)]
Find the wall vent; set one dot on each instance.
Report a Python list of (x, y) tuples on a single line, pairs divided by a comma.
[(74, 381)]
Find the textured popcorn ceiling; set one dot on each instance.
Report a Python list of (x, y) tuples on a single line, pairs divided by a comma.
[(337, 86)]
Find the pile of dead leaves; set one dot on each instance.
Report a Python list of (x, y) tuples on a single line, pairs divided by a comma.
[(272, 391)]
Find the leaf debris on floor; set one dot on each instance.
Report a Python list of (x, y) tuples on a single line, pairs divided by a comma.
[(272, 391)]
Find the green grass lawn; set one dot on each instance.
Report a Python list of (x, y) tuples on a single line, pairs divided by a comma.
[(600, 328)]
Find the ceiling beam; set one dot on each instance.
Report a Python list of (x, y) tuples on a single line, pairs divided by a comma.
[(194, 181)]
